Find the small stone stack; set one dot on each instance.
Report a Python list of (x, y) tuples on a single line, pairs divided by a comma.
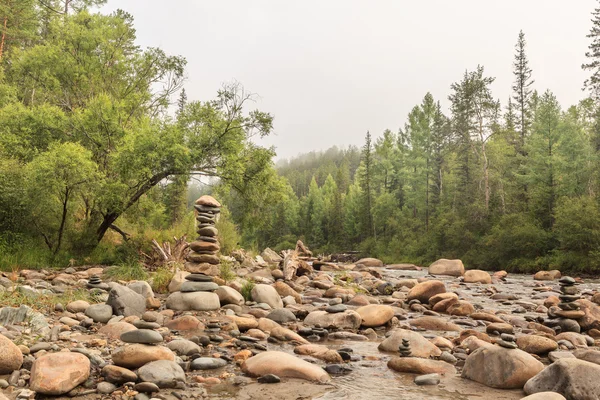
[(564, 317), (197, 293), (404, 348), (507, 341), (203, 257), (96, 283)]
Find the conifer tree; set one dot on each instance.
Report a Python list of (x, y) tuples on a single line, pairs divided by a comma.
[(522, 90)]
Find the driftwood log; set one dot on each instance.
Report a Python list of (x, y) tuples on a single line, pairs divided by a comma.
[(166, 254)]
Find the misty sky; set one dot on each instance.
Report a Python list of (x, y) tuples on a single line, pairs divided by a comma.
[(330, 70)]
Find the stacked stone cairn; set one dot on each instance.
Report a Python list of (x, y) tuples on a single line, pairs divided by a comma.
[(404, 348), (96, 283), (564, 318), (507, 341), (203, 257)]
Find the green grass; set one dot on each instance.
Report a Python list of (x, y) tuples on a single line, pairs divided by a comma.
[(130, 271), (247, 290), (160, 280), (45, 302), (226, 271)]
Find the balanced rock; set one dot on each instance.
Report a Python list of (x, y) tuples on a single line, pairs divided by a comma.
[(283, 365), (190, 286), (572, 378), (11, 357), (207, 201), (58, 373), (447, 267), (413, 365), (501, 368)]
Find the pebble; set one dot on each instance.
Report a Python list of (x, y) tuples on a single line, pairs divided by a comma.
[(106, 387), (204, 363), (338, 308), (429, 379), (144, 336)]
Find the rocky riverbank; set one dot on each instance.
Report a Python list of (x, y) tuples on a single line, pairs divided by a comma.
[(328, 331)]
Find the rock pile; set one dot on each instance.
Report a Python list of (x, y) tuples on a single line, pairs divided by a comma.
[(507, 341), (563, 317), (204, 250), (196, 293), (96, 283), (404, 348)]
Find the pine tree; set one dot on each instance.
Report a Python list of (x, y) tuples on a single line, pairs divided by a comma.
[(365, 181), (182, 101), (593, 54), (522, 90)]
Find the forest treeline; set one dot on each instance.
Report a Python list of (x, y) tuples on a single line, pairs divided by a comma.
[(101, 150)]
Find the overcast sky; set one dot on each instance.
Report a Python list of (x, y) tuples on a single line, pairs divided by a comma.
[(329, 70)]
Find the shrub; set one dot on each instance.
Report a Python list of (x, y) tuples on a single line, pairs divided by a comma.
[(247, 290), (160, 279), (226, 271)]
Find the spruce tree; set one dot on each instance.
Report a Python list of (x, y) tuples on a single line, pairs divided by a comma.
[(522, 90), (593, 54), (365, 181)]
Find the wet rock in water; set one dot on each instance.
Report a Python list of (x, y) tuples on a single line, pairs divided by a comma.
[(269, 378), (99, 312), (477, 276), (163, 373), (145, 336), (118, 375), (337, 369), (535, 344), (320, 352), (572, 378), (419, 346), (59, 373), (375, 315), (345, 320), (425, 290), (501, 368), (193, 301), (262, 293), (125, 301), (11, 357), (283, 365), (228, 295), (447, 267), (413, 365), (206, 363), (429, 379), (136, 355)]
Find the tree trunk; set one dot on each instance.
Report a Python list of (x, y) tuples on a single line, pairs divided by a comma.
[(3, 36), (63, 220)]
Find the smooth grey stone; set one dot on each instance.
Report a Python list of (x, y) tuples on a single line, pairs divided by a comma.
[(338, 308), (184, 347), (199, 278), (429, 379), (204, 363), (146, 387), (146, 325), (189, 286), (281, 315), (125, 301), (40, 346), (99, 312), (145, 336), (106, 387), (163, 373)]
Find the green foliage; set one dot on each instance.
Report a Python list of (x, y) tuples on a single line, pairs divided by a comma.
[(160, 280), (247, 290), (226, 271), (132, 270), (229, 237)]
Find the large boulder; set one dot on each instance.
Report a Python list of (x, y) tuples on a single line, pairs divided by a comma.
[(375, 315), (283, 365), (421, 366), (135, 355), (501, 368), (11, 357), (370, 262), (163, 373), (425, 290), (262, 293), (547, 275), (228, 295), (573, 378), (344, 320), (193, 301), (58, 373), (419, 346), (271, 257), (477, 276), (125, 301), (591, 319), (447, 267)]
